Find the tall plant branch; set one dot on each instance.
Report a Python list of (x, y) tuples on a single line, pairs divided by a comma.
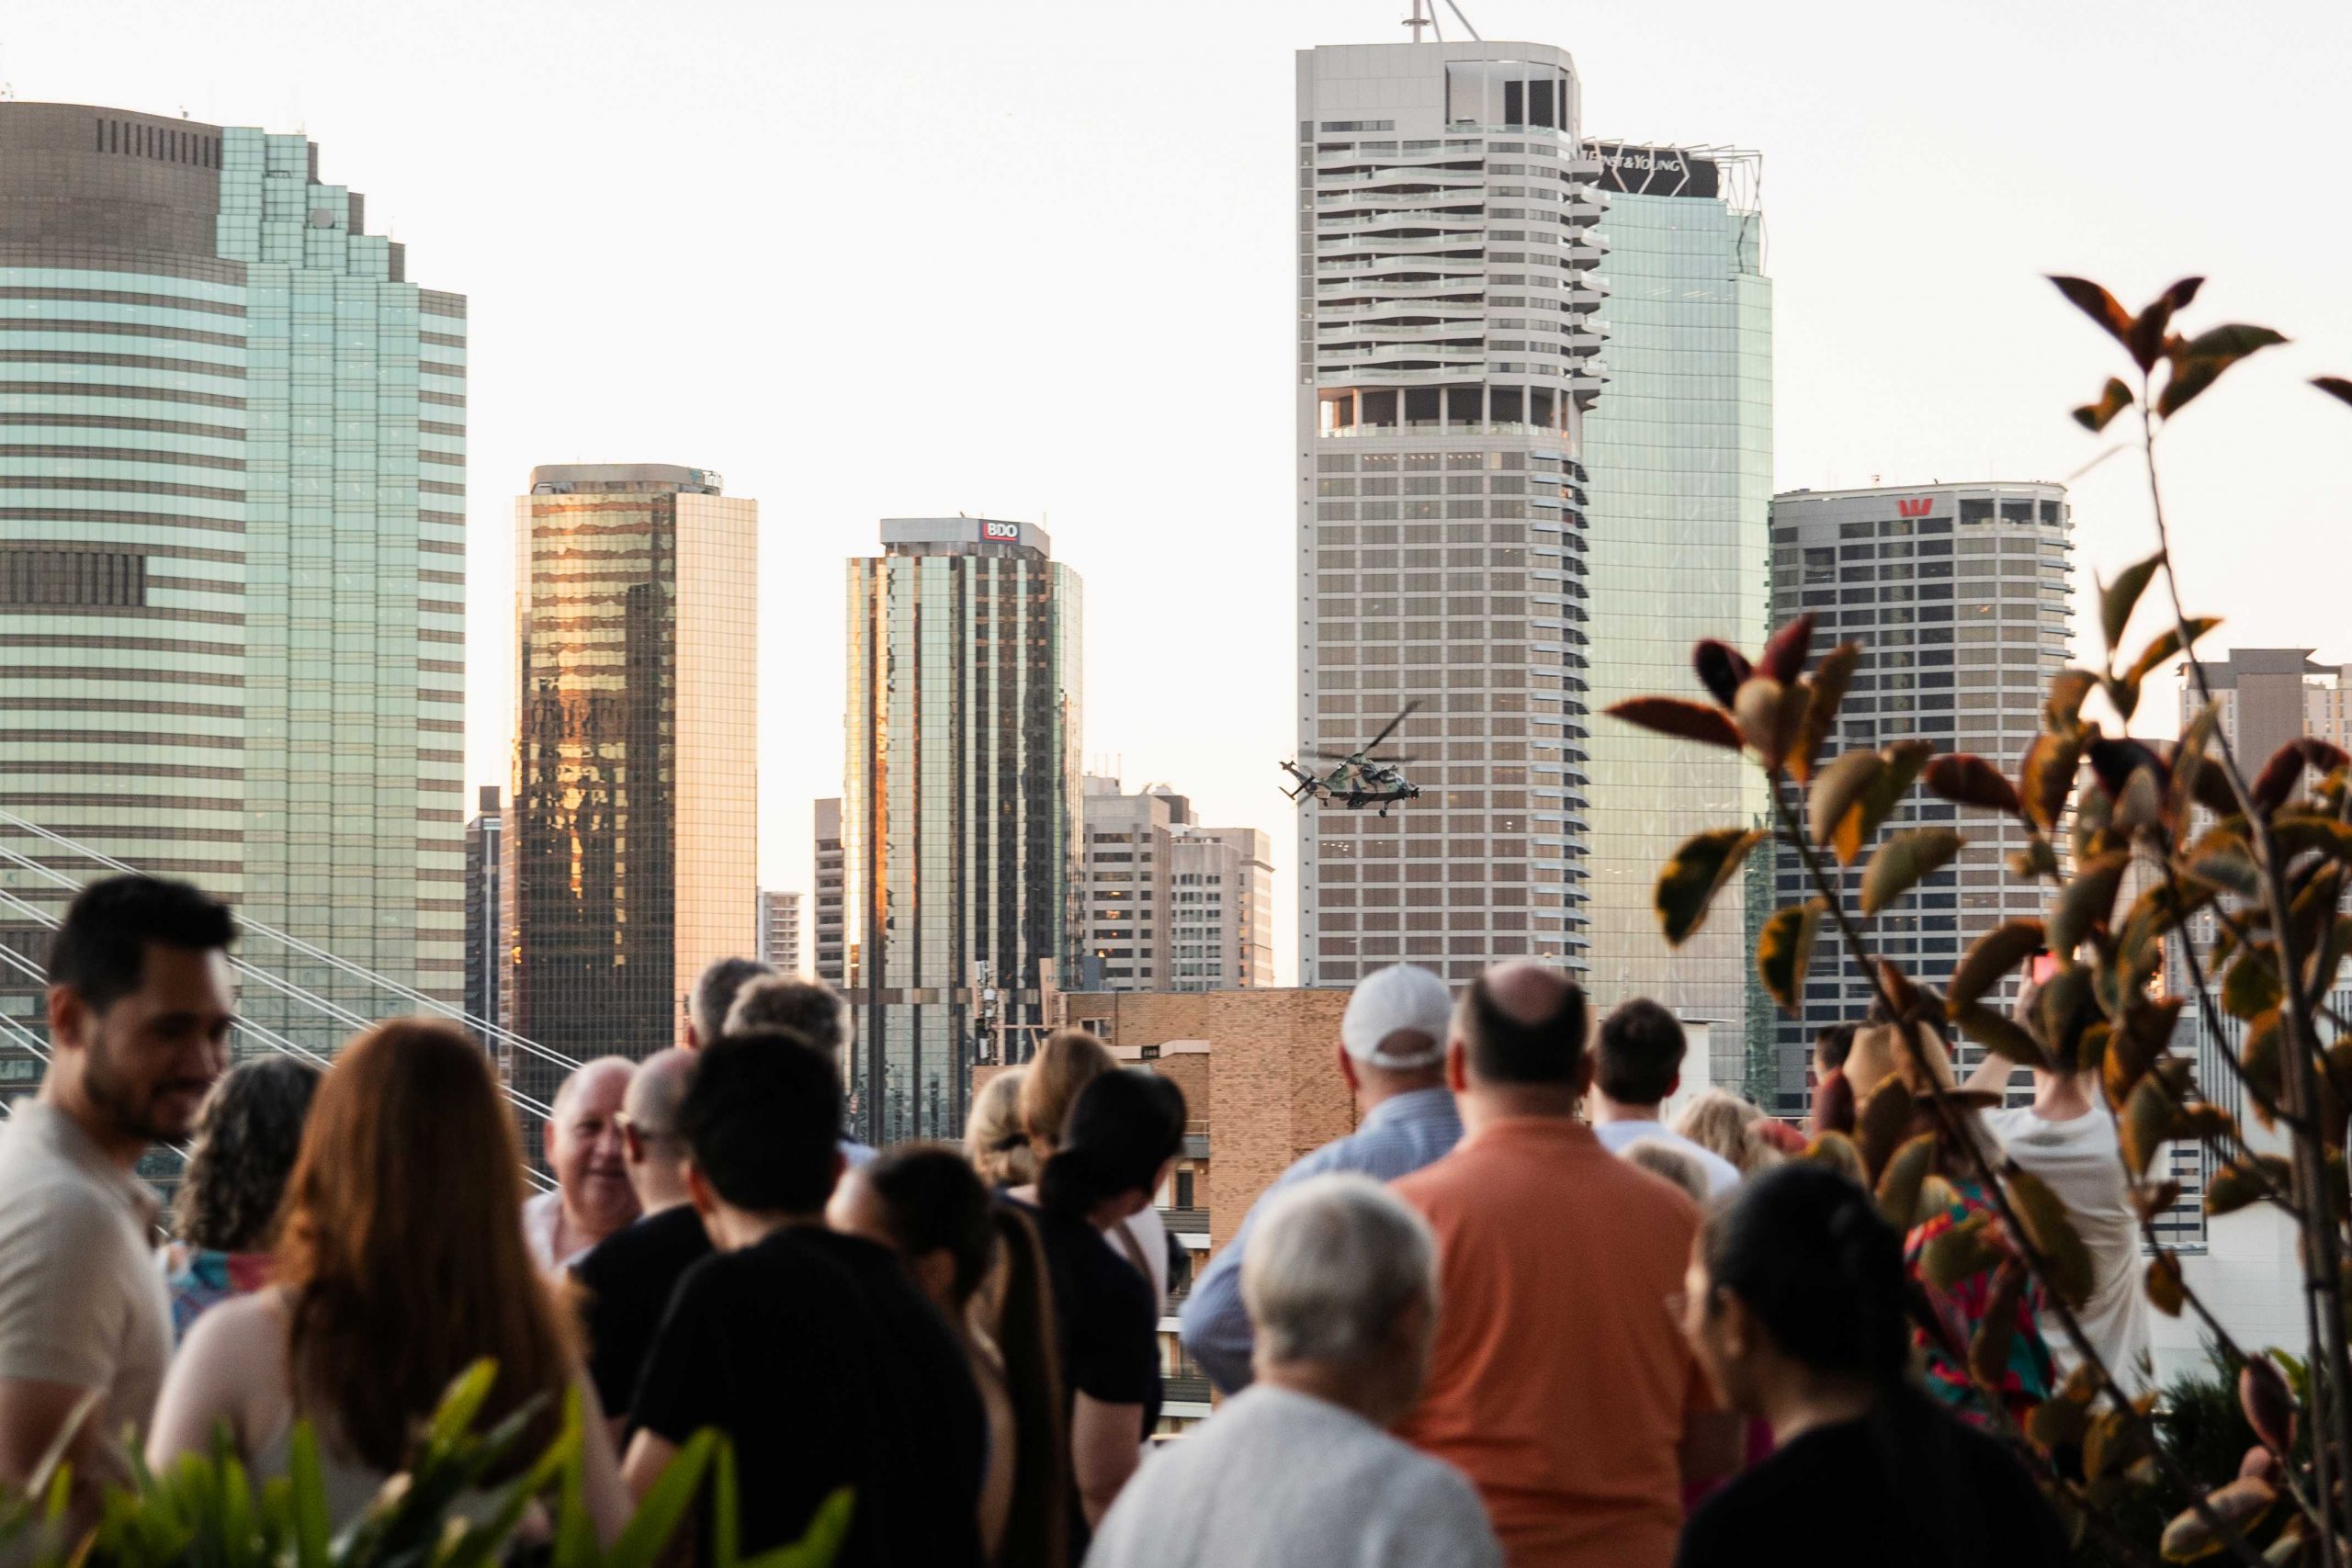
[(2331, 1383), (1964, 1137)]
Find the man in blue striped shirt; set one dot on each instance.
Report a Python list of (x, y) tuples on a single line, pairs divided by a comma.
[(1392, 1052)]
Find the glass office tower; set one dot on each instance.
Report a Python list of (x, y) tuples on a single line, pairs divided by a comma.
[(1678, 528), (233, 528), (633, 836), (959, 811)]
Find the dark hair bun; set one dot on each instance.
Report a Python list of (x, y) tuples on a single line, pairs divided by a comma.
[(1809, 1253)]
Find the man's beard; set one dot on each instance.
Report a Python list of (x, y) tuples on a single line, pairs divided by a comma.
[(137, 1114)]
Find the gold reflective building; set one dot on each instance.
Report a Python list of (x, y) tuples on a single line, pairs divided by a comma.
[(633, 841)]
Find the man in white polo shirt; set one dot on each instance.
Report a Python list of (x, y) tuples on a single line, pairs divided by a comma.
[(1639, 1064), (139, 1003)]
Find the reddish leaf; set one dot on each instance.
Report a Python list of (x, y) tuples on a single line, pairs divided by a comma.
[(2117, 598), (2335, 387), (1991, 956), (2147, 337), (1683, 720), (1904, 862), (2047, 777), (2242, 1501), (2114, 399), (2268, 1405), (1687, 884), (1828, 683), (1783, 657), (1769, 717), (2285, 770), (2167, 1293), (1972, 781), (2101, 307), (2064, 710), (1988, 1347), (1784, 951), (1721, 669)]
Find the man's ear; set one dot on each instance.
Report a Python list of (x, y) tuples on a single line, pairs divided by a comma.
[(69, 1016), (548, 1141), (1457, 1067), (1348, 1070), (632, 1144), (700, 1190), (1672, 1088)]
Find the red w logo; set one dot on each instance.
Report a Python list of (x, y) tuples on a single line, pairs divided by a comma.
[(1914, 508)]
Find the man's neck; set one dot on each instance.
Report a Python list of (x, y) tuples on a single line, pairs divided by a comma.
[(1488, 1103), (1607, 1110), (2060, 1099), (1378, 1088), (1365, 1396), (657, 1190), (63, 1093), (733, 1229)]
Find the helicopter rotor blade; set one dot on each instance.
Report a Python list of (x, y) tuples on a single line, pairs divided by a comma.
[(1402, 714), (1336, 756)]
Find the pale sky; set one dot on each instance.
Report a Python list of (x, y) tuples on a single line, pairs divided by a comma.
[(886, 258)]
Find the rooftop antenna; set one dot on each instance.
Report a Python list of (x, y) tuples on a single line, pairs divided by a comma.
[(1417, 21)]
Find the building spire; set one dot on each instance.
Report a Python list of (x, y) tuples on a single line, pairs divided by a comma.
[(1418, 21)]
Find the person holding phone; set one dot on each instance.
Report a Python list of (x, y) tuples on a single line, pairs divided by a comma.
[(2067, 1138)]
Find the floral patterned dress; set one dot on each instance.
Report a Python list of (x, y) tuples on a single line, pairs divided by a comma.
[(199, 1277), (2027, 1378)]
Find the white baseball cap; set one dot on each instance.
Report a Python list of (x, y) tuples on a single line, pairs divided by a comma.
[(1399, 997)]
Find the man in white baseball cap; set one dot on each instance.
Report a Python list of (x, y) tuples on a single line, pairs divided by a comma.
[(1392, 1053)]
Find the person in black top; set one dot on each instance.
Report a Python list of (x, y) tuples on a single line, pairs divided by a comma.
[(1794, 1304), (1124, 1131), (810, 1350), (626, 1280)]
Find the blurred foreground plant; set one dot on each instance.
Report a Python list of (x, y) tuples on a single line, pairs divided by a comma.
[(2243, 878), (205, 1511)]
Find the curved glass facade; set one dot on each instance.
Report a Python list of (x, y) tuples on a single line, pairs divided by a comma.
[(1678, 535), (231, 542)]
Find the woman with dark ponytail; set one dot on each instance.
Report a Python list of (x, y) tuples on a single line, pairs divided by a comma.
[(979, 1263), (1122, 1137), (1795, 1303)]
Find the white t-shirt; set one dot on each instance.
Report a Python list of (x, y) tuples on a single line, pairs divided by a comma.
[(1722, 1175), (1282, 1480), (2077, 1158)]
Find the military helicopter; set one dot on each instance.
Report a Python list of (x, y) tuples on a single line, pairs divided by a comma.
[(1359, 779)]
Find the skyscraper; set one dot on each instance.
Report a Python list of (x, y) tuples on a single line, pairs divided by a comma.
[(1445, 364), (1959, 596), (232, 542), (485, 938), (634, 832), (829, 962), (959, 818), (1678, 535), (1171, 905), (780, 930)]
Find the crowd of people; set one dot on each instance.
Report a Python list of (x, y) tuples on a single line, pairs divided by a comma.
[(1519, 1314)]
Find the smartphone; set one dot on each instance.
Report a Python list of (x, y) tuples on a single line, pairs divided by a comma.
[(2044, 966)]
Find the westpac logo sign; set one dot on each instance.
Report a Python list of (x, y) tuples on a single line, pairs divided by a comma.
[(1007, 531), (1915, 506)]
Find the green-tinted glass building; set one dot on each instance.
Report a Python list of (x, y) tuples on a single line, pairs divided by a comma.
[(959, 811), (231, 543), (1678, 534)]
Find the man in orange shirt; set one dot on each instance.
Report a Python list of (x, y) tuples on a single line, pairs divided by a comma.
[(1560, 1384)]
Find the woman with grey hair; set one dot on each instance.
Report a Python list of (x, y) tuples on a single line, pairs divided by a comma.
[(226, 1211), (1299, 1470)]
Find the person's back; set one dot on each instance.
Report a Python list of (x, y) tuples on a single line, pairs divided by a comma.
[(1560, 1384), (2077, 1156), (1283, 1480), (826, 1370)]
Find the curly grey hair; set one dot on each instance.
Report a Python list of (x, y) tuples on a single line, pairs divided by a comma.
[(247, 1136)]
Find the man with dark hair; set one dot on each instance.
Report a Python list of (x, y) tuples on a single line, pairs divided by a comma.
[(812, 1350), (714, 994), (1641, 1047), (1558, 1384), (810, 1009), (140, 1004)]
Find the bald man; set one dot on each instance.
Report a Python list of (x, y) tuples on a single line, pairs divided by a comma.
[(626, 1279), (1559, 1384), (592, 1197)]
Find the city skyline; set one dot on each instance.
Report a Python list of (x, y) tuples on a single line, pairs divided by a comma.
[(1865, 328)]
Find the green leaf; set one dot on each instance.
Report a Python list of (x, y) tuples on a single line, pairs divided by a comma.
[(2087, 903), (2114, 399), (664, 1503), (2251, 987), (1972, 781), (1696, 873), (2237, 1184), (1903, 761), (306, 1498), (1681, 720), (461, 1401), (1784, 951), (2225, 860), (2168, 644), (2068, 1269), (2148, 1122), (575, 1531), (2117, 598), (1964, 1251), (2100, 305), (1837, 787), (726, 1508), (1831, 675), (1999, 1033), (821, 1544), (1989, 957), (1904, 862), (1898, 1184)]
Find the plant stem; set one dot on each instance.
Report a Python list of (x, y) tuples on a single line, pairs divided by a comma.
[(1964, 1137), (2331, 1360)]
